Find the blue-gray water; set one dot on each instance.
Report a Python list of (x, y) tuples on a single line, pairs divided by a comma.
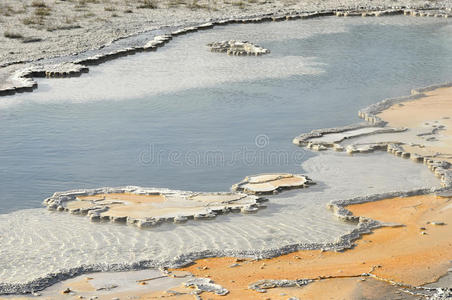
[(207, 134)]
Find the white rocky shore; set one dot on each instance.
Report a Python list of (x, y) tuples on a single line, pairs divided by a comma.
[(50, 28), (237, 48), (94, 41)]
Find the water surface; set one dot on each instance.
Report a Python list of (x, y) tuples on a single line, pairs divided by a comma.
[(185, 118)]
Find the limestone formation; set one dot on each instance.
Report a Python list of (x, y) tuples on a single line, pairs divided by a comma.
[(237, 48), (146, 207), (271, 183)]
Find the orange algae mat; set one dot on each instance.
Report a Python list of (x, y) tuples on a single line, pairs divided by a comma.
[(414, 254)]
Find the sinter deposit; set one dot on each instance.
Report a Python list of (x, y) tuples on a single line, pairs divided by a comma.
[(271, 183), (423, 137), (237, 48), (145, 207)]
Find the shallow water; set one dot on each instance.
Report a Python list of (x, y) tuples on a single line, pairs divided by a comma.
[(36, 242), (186, 118)]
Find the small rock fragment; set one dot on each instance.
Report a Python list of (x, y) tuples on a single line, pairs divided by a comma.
[(233, 47), (438, 223)]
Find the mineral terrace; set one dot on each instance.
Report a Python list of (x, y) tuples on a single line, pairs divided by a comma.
[(415, 127), (271, 183), (145, 207)]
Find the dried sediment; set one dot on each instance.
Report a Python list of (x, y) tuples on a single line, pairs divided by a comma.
[(237, 48), (271, 183), (147, 207)]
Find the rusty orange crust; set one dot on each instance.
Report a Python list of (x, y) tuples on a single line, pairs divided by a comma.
[(435, 107), (401, 254)]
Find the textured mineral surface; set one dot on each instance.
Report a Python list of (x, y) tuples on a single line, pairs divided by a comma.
[(407, 256), (430, 119), (145, 207), (142, 284), (237, 48), (271, 183), (416, 127)]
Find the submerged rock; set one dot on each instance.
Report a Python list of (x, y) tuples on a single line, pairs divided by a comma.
[(237, 48)]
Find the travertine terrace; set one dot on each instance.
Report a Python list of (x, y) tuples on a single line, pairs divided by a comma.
[(146, 207), (399, 256), (415, 127), (271, 183)]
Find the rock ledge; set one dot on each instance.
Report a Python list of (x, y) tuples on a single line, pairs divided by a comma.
[(271, 183), (147, 207)]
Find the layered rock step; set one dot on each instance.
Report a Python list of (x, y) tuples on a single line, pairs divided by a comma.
[(146, 207), (271, 183)]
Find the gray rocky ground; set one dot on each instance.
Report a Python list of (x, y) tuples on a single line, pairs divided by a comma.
[(32, 29)]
